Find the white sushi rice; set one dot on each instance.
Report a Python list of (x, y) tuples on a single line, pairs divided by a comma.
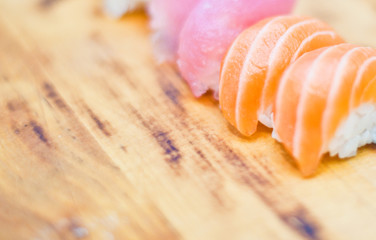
[(117, 8), (266, 117), (357, 130)]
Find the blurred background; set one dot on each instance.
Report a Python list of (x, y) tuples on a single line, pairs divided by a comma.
[(355, 20)]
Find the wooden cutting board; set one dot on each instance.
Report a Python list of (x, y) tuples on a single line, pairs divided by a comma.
[(97, 141)]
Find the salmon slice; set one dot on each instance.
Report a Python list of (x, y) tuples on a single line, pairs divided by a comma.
[(234, 63), (318, 80), (333, 93), (287, 98), (369, 93), (253, 66), (339, 100), (365, 76)]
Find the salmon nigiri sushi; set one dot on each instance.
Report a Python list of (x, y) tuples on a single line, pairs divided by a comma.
[(326, 102), (254, 64)]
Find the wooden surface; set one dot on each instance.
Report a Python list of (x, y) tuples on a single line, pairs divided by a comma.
[(99, 142)]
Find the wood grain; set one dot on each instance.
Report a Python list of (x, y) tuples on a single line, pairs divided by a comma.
[(97, 141)]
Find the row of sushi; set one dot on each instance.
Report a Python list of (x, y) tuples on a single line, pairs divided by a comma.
[(195, 34), (293, 74), (297, 76)]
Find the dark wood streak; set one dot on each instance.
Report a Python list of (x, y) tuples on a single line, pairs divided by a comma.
[(100, 124), (27, 134), (50, 90), (53, 95), (11, 106), (296, 216), (208, 168), (17, 131), (171, 151), (124, 148), (46, 4), (20, 114), (168, 145), (117, 67), (211, 179), (43, 58), (214, 185), (238, 161), (38, 130), (302, 222), (205, 163), (17, 106), (120, 69), (170, 91)]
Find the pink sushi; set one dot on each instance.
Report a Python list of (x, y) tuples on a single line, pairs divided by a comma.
[(167, 20), (208, 32)]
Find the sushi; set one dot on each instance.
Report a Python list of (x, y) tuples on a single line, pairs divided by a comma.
[(167, 18), (195, 34), (326, 102), (209, 30), (293, 74), (255, 62)]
